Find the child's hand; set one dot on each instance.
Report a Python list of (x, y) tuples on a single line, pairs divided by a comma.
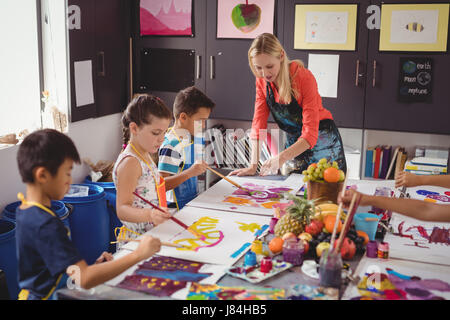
[(406, 179), (148, 246), (198, 168), (158, 217), (347, 198), (105, 256), (250, 171)]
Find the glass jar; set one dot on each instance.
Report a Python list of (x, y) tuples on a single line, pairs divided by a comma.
[(293, 252), (330, 269)]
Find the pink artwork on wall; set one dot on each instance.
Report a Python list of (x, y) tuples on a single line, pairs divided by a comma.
[(166, 17)]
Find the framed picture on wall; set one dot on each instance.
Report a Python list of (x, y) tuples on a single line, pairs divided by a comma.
[(325, 27), (244, 19), (414, 27), (166, 18)]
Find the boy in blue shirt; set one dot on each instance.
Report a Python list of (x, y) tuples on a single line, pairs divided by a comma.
[(45, 253), (176, 155)]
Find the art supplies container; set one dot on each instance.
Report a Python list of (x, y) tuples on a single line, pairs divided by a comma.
[(257, 247), (383, 192), (367, 222), (330, 269), (324, 191), (89, 223), (8, 258), (372, 249), (266, 264), (250, 259), (383, 250), (111, 195), (293, 252)]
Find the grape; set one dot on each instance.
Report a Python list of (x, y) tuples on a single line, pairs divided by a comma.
[(323, 160)]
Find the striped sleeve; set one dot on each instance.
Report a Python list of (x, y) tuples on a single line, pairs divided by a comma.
[(170, 160)]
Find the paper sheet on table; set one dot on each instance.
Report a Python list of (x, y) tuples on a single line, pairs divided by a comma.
[(84, 88), (325, 68)]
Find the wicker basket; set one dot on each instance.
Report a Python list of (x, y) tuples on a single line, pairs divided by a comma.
[(323, 191)]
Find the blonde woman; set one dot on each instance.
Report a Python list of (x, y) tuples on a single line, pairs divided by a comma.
[(288, 91)]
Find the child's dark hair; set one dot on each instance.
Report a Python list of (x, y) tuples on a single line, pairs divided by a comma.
[(189, 100), (46, 148), (141, 110)]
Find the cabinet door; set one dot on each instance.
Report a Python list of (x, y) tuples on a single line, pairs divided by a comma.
[(196, 43), (82, 48), (383, 109), (111, 55), (348, 108), (230, 82)]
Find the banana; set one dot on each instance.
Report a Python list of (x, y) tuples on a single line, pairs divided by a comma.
[(327, 207)]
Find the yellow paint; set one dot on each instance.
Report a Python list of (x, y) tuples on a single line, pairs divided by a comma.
[(238, 201), (206, 227), (430, 200), (252, 227), (269, 205)]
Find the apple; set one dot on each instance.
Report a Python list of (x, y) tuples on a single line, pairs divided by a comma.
[(341, 176), (321, 247), (246, 17), (305, 236), (289, 235), (305, 246)]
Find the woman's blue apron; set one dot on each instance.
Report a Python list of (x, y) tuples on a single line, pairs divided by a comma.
[(289, 118)]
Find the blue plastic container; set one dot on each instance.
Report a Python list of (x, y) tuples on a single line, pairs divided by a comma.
[(58, 207), (369, 227), (111, 195), (89, 222), (8, 257)]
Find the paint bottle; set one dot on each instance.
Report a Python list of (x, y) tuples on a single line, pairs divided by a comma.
[(372, 249), (250, 259), (293, 252), (273, 222), (266, 264), (383, 250), (256, 247)]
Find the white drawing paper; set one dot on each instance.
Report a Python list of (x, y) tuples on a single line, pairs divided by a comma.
[(414, 26), (326, 27), (84, 88), (325, 68)]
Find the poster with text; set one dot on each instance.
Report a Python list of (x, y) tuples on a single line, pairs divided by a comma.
[(415, 79)]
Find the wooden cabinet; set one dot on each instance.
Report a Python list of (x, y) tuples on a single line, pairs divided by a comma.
[(348, 108), (100, 38), (382, 107)]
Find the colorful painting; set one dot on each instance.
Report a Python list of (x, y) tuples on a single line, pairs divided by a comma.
[(254, 274), (223, 237), (165, 276), (244, 18), (418, 240), (399, 280), (257, 196), (214, 292), (166, 17)]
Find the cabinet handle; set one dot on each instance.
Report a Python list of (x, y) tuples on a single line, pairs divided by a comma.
[(198, 69), (212, 72), (357, 74), (374, 75), (101, 64)]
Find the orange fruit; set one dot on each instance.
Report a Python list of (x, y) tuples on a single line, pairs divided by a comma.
[(329, 223), (331, 175), (276, 245), (364, 235)]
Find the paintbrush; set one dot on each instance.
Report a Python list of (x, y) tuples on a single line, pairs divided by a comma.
[(184, 226), (338, 214), (230, 181), (348, 220), (163, 243)]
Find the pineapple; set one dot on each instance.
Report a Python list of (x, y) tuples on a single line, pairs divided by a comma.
[(297, 216)]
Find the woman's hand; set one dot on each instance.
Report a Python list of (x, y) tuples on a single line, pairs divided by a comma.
[(271, 166), (250, 171)]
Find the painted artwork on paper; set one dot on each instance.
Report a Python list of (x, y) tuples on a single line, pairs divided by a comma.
[(418, 240), (244, 18), (214, 292), (392, 279), (258, 197), (221, 237), (166, 17)]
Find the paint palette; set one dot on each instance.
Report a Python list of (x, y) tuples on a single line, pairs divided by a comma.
[(253, 274)]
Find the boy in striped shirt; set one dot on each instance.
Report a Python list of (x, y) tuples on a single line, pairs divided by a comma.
[(176, 155)]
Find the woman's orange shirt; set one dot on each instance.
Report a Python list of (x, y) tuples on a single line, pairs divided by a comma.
[(309, 99)]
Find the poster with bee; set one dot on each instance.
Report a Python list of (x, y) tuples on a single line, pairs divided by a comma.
[(414, 27), (415, 79)]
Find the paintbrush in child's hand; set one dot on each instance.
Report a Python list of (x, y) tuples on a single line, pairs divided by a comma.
[(163, 243), (230, 181)]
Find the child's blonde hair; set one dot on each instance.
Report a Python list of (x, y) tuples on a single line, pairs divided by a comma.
[(269, 44)]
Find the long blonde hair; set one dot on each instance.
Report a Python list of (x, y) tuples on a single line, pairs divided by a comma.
[(269, 44)]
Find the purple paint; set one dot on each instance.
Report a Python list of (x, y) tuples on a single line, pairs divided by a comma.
[(438, 197), (171, 264)]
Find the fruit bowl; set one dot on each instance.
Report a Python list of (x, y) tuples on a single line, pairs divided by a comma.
[(323, 191)]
